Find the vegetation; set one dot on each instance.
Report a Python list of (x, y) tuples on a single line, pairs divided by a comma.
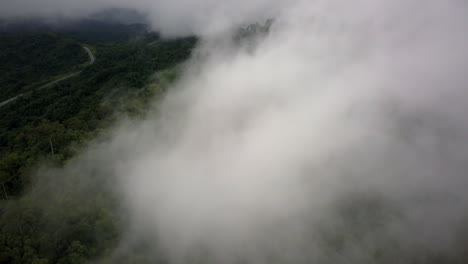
[(99, 28), (253, 31), (31, 59), (95, 31), (64, 218)]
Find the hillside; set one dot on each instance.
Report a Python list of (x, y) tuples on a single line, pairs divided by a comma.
[(98, 29), (31, 59), (65, 117)]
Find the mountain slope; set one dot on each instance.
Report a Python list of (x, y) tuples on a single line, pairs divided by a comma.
[(31, 59)]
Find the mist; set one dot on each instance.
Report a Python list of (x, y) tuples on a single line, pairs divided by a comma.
[(338, 137)]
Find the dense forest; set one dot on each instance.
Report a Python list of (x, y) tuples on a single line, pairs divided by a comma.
[(51, 126), (31, 59)]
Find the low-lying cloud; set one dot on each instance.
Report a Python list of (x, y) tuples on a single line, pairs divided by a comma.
[(340, 137)]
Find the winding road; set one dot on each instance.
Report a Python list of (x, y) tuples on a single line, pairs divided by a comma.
[(92, 58), (90, 54)]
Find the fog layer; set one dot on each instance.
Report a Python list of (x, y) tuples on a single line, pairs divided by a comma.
[(340, 137)]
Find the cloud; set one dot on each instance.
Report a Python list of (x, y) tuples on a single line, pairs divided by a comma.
[(340, 135)]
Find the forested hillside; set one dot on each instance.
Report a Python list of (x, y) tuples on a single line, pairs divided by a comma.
[(31, 59), (99, 29), (51, 125)]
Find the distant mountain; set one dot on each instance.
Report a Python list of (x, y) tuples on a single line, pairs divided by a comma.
[(24, 25), (104, 26), (120, 16), (91, 30)]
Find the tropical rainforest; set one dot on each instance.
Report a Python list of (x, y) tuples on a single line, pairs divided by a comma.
[(52, 125)]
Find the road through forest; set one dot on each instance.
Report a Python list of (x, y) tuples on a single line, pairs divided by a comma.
[(92, 58)]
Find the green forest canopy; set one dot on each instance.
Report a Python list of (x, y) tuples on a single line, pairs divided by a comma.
[(67, 115)]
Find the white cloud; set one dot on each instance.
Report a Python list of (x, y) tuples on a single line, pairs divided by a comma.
[(340, 98)]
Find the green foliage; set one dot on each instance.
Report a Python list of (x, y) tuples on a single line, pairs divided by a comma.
[(253, 31), (95, 31), (32, 59), (70, 217), (74, 110), (62, 220)]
